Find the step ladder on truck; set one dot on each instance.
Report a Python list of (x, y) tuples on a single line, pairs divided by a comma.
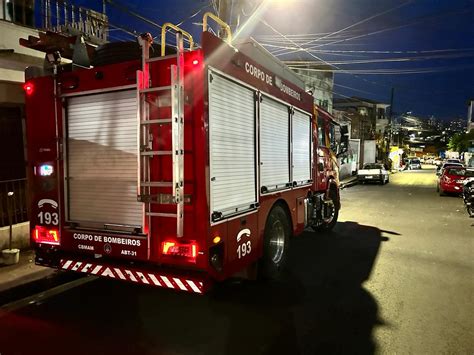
[(176, 170)]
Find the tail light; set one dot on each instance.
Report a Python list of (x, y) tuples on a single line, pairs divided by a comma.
[(46, 235), (183, 250)]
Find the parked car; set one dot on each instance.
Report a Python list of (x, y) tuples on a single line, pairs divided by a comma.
[(438, 162), (373, 172), (414, 164), (440, 168), (457, 161), (452, 178)]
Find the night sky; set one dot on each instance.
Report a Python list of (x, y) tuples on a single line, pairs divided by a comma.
[(427, 45)]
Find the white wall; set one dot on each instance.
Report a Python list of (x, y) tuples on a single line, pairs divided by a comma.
[(12, 65), (369, 151)]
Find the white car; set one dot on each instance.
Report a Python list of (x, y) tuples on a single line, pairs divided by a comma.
[(373, 172), (456, 161), (415, 163)]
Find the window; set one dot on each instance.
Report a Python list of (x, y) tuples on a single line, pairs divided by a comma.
[(18, 11), (381, 113), (321, 140)]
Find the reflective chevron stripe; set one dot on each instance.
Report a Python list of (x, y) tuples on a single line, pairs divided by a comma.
[(132, 275)]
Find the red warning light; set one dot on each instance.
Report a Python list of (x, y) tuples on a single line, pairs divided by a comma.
[(186, 250), (46, 236), (29, 88)]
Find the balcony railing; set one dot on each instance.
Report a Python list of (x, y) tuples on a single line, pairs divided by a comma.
[(13, 205), (62, 16)]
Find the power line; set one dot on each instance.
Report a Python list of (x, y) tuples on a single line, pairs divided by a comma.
[(330, 51), (314, 56), (360, 22), (126, 10), (391, 71), (388, 60), (415, 22)]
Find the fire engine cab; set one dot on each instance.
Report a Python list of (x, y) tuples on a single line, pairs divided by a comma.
[(175, 170)]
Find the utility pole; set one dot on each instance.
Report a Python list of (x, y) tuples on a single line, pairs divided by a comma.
[(391, 107), (388, 141)]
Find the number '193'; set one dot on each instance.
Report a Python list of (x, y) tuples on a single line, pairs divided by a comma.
[(48, 218), (244, 249)]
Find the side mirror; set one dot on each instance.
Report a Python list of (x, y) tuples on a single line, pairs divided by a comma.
[(344, 141)]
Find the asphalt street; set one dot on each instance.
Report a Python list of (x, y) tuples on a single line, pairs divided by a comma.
[(395, 276)]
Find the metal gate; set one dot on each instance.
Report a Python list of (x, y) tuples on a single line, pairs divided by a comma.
[(102, 164), (302, 148), (274, 145), (232, 139)]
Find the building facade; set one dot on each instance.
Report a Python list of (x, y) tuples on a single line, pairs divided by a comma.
[(318, 79), (369, 123)]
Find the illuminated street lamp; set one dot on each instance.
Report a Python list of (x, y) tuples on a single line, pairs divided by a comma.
[(10, 256)]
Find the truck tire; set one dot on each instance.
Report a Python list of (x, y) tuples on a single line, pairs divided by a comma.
[(275, 244), (330, 222)]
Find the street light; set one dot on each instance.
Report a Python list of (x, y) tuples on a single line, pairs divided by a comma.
[(10, 256)]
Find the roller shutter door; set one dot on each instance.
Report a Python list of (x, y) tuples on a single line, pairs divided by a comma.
[(274, 145), (301, 147), (102, 159), (232, 147)]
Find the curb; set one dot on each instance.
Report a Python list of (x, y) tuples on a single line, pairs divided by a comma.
[(27, 279), (346, 184), (41, 281)]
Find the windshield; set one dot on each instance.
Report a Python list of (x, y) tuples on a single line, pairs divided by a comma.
[(415, 161), (452, 165)]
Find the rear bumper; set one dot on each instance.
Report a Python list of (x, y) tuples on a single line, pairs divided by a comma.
[(179, 280), (371, 177), (452, 188)]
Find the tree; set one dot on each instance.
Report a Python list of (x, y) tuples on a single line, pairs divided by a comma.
[(460, 142)]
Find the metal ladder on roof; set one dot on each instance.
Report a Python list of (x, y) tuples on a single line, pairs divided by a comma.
[(145, 137)]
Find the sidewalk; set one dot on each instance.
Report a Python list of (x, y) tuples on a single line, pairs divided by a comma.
[(348, 182), (24, 272)]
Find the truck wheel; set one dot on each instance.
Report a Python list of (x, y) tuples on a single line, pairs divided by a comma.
[(275, 244), (331, 220)]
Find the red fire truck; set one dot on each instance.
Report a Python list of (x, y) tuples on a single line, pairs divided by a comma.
[(176, 170)]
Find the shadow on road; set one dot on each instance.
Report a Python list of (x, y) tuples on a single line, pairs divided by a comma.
[(320, 306)]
